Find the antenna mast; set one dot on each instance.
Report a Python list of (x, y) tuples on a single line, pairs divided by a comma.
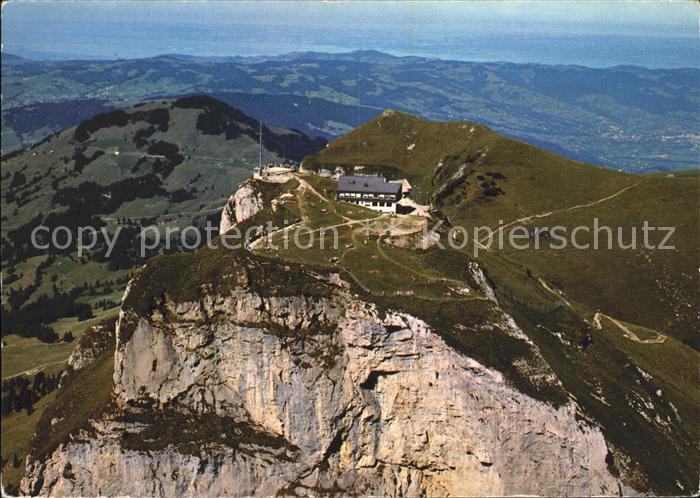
[(260, 155)]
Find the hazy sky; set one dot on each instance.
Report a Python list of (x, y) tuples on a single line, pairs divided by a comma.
[(132, 29)]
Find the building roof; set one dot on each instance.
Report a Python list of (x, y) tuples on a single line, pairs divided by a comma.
[(405, 186), (367, 184)]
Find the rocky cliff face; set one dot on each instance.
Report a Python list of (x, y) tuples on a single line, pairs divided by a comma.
[(244, 204), (245, 391)]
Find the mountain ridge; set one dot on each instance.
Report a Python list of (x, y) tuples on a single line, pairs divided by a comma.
[(621, 118), (477, 177), (347, 55)]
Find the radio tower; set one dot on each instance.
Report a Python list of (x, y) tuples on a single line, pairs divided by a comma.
[(260, 151)]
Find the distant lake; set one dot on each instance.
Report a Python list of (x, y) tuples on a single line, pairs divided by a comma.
[(125, 40)]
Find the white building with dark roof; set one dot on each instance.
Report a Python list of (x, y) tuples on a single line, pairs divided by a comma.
[(406, 188), (373, 192)]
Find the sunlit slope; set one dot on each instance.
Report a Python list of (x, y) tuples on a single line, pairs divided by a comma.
[(475, 177), (444, 159)]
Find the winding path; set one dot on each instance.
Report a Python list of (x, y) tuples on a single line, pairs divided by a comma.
[(660, 339), (491, 236), (306, 186), (597, 320), (37, 369)]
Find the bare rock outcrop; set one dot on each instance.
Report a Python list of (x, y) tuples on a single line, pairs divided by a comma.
[(244, 204), (95, 342), (327, 395)]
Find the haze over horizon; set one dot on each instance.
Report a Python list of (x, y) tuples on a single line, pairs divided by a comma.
[(594, 34)]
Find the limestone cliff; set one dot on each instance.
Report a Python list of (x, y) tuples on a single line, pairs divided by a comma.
[(244, 204), (277, 379)]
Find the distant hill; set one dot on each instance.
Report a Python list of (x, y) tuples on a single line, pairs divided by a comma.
[(163, 164), (26, 125), (624, 117), (11, 58), (314, 116)]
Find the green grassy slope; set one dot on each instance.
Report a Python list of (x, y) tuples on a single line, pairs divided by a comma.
[(17, 432), (456, 165), (217, 145)]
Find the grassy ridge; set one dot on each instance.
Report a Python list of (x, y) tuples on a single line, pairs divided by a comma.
[(449, 163)]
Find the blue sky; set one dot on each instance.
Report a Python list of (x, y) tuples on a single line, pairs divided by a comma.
[(140, 29)]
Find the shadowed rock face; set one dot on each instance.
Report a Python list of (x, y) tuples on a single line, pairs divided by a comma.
[(328, 395)]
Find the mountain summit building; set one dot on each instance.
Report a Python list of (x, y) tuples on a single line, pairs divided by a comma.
[(373, 192)]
